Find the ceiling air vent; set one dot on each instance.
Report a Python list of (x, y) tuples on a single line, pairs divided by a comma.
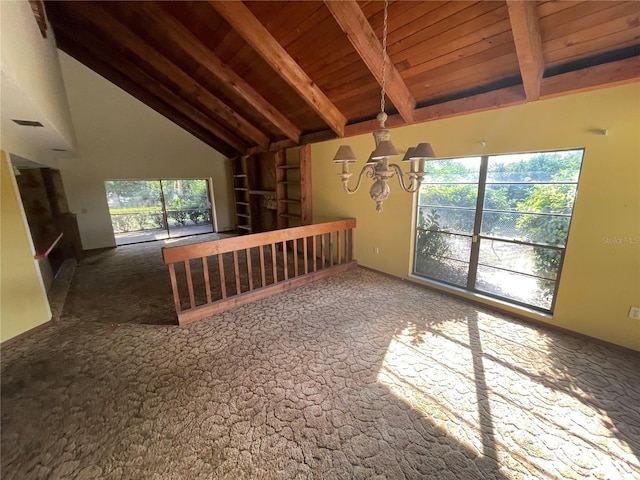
[(58, 150), (28, 123)]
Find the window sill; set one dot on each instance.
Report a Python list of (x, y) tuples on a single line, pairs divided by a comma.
[(479, 298)]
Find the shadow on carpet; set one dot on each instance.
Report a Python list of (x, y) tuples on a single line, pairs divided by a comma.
[(126, 285)]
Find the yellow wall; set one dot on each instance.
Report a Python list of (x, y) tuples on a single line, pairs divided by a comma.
[(600, 279), (23, 301)]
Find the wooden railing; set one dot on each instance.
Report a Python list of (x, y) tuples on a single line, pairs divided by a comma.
[(252, 267)]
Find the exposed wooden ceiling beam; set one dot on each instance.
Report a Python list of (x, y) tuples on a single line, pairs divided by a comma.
[(354, 23), (81, 54), (601, 76), (101, 20), (525, 26), (605, 75), (229, 79), (504, 97), (255, 34), (305, 139)]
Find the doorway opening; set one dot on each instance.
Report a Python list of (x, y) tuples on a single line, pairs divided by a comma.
[(149, 210)]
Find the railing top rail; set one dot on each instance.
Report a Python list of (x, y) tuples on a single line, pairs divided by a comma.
[(215, 247)]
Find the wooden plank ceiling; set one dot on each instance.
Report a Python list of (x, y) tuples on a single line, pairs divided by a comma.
[(252, 76)]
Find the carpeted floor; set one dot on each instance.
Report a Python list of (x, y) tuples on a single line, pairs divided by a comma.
[(353, 377)]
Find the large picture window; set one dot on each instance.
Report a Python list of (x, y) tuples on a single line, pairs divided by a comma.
[(148, 210), (499, 224)]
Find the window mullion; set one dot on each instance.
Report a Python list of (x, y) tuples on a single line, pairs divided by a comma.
[(477, 223), (165, 216)]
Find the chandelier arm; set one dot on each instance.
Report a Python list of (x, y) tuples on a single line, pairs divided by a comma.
[(345, 179), (413, 184)]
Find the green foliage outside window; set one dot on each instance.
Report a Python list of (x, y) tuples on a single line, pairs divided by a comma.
[(137, 204), (549, 229), (526, 198), (430, 242), (519, 196)]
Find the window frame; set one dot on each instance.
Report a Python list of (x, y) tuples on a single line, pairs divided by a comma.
[(477, 236)]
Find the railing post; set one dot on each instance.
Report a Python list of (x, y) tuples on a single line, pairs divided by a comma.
[(315, 253), (247, 253), (236, 269), (187, 270), (331, 252), (274, 263), (263, 275), (174, 287), (305, 255), (295, 257), (351, 243), (205, 273), (223, 280), (285, 260)]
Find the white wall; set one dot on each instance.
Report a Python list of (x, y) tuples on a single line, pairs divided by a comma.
[(121, 138), (31, 86)]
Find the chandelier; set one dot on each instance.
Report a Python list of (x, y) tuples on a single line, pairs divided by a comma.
[(378, 167)]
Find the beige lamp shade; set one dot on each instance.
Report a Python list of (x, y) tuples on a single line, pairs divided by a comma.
[(422, 152), (384, 149), (344, 155), (407, 156), (371, 160)]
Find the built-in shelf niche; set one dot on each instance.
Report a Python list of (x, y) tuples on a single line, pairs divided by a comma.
[(273, 190)]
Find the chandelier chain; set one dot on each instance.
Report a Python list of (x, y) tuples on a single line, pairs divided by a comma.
[(384, 54), (378, 167)]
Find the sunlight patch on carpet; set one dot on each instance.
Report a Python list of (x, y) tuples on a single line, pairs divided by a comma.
[(459, 377)]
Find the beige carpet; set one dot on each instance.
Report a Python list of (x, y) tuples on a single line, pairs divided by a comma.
[(356, 376)]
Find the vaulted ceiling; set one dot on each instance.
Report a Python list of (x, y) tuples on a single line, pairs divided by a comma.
[(252, 76)]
